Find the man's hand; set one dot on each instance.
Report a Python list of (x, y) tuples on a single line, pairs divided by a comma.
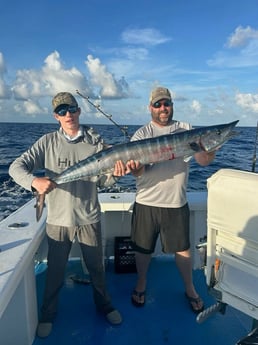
[(43, 185), (204, 158), (131, 166), (134, 167), (119, 169)]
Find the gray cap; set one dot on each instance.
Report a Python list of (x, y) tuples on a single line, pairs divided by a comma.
[(63, 98), (160, 93)]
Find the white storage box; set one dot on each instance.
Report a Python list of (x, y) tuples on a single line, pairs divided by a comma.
[(232, 239)]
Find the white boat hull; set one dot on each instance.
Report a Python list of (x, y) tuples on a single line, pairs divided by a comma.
[(232, 238)]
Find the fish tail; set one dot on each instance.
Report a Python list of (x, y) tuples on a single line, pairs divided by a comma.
[(40, 203)]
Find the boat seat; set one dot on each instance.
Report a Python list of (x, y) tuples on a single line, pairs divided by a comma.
[(232, 239)]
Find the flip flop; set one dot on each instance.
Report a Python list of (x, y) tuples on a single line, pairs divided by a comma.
[(194, 302), (136, 297), (80, 280)]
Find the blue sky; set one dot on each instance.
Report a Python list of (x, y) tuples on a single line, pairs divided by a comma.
[(116, 51)]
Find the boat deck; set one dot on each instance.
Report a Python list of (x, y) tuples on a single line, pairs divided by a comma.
[(165, 319)]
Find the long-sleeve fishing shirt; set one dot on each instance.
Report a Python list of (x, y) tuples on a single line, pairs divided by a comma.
[(73, 203)]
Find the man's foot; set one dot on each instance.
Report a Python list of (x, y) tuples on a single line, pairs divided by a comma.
[(114, 317), (44, 329), (196, 303), (138, 298)]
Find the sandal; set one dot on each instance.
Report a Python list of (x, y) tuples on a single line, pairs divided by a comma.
[(80, 280), (138, 298), (195, 302)]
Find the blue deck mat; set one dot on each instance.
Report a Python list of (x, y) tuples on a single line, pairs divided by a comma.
[(165, 319)]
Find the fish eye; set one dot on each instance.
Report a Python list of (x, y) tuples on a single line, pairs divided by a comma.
[(194, 146), (219, 132)]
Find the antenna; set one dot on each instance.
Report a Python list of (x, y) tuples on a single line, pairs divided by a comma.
[(123, 129), (255, 146)]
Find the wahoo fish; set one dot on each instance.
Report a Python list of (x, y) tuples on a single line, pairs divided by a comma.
[(150, 150)]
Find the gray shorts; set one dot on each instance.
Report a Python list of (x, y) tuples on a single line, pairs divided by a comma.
[(172, 224), (89, 234)]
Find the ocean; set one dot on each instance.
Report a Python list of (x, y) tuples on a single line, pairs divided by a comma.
[(15, 138)]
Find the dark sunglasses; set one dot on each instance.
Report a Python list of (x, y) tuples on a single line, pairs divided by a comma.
[(159, 104), (64, 109)]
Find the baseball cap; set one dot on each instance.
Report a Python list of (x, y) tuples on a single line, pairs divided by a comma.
[(159, 93), (63, 98)]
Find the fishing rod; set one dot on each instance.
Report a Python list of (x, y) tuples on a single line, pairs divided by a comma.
[(123, 129), (255, 146)]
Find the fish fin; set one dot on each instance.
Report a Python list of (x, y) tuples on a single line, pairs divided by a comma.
[(187, 158), (40, 203), (93, 178)]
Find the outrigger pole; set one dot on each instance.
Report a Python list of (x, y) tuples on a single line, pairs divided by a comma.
[(123, 129), (255, 146)]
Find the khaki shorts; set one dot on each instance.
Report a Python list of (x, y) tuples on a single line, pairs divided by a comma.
[(172, 224)]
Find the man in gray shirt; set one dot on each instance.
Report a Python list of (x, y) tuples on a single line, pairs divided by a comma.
[(73, 207), (161, 206)]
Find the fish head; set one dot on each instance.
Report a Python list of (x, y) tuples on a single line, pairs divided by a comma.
[(215, 136)]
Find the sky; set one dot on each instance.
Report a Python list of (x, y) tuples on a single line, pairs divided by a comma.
[(114, 52)]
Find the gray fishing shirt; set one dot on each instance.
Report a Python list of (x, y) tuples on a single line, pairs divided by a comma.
[(73, 203), (162, 184)]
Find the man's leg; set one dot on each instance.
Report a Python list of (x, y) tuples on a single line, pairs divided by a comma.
[(184, 265), (142, 265), (58, 253), (93, 258)]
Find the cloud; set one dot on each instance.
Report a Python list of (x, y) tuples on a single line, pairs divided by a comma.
[(27, 83), (31, 87), (109, 86), (241, 50), (247, 101), (56, 77), (2, 65), (242, 37), (53, 77), (48, 80), (30, 107), (196, 106), (147, 36), (5, 92), (135, 53)]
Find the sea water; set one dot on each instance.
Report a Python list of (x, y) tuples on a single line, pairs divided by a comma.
[(15, 138)]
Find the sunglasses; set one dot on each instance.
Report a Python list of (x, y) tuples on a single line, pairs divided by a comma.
[(159, 104), (64, 109)]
